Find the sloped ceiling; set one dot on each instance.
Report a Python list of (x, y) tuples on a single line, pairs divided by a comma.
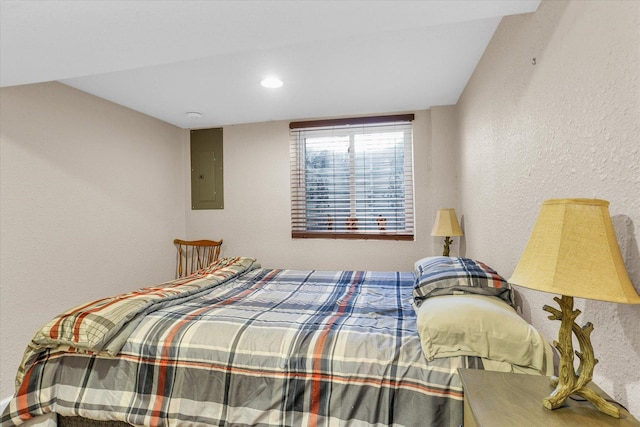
[(168, 58)]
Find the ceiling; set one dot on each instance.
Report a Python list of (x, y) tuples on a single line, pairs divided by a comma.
[(168, 58)]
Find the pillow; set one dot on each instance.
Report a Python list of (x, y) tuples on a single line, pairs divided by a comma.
[(453, 276), (428, 263), (476, 325)]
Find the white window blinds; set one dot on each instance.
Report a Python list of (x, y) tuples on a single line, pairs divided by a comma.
[(352, 178)]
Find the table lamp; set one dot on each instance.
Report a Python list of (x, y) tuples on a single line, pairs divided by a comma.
[(446, 225), (573, 252)]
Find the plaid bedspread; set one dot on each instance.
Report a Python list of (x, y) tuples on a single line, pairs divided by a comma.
[(104, 324), (268, 348)]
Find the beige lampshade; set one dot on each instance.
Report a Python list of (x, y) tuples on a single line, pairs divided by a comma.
[(446, 223), (573, 251)]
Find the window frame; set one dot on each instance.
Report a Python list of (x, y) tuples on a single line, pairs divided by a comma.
[(359, 125)]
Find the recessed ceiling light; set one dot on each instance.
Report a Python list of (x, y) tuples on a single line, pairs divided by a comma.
[(194, 115), (272, 82)]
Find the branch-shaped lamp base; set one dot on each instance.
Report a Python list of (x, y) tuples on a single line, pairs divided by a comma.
[(447, 242), (569, 381)]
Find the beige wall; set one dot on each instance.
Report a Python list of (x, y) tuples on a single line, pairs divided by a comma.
[(90, 205), (256, 217), (567, 126)]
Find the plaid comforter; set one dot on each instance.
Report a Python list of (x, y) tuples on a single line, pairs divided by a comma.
[(266, 348)]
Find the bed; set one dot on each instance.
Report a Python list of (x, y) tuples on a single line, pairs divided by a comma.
[(237, 344)]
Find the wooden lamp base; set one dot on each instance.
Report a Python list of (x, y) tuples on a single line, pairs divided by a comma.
[(447, 242), (569, 381)]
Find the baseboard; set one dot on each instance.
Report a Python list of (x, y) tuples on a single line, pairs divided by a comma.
[(4, 402)]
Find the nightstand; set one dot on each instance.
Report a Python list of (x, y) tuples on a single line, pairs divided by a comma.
[(498, 399)]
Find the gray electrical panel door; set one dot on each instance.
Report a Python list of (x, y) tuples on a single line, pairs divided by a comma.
[(207, 185)]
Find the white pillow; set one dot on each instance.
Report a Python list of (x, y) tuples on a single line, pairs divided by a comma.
[(478, 325)]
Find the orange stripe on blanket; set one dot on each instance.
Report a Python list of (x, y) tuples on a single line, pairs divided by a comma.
[(163, 290), (23, 401), (55, 329), (54, 333), (78, 323), (317, 360), (157, 407), (315, 376)]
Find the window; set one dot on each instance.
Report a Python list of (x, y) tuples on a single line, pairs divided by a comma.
[(352, 178)]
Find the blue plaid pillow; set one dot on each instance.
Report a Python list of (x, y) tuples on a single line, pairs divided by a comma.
[(453, 276)]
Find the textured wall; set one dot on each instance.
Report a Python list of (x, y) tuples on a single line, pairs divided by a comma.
[(90, 205), (256, 216), (564, 126)]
